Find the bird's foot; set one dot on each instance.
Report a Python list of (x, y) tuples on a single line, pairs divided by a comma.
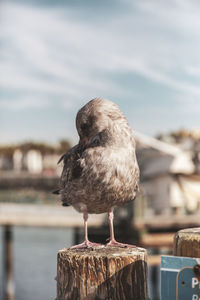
[(114, 243), (86, 245)]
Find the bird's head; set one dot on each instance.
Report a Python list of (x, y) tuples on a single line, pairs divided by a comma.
[(96, 116)]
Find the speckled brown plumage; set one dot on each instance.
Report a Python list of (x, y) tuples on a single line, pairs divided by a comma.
[(101, 171)]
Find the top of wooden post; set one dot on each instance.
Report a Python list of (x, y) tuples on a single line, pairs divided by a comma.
[(109, 252), (102, 273), (187, 242)]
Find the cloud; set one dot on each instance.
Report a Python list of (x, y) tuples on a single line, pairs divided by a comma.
[(188, 104), (22, 103), (62, 55), (193, 70)]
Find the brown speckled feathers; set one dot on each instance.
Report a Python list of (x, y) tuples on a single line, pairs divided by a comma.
[(101, 171)]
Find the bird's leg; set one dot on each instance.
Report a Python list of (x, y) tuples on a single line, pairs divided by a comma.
[(113, 242), (110, 220), (86, 243), (85, 218)]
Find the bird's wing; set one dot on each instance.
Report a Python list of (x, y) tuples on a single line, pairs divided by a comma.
[(67, 154), (72, 168), (136, 186)]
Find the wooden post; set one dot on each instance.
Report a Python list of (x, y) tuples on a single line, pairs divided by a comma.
[(8, 263), (187, 242), (102, 274)]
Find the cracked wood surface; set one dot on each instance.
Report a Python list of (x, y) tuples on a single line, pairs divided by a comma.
[(102, 274), (187, 242)]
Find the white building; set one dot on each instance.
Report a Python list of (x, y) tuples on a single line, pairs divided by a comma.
[(34, 161), (168, 179)]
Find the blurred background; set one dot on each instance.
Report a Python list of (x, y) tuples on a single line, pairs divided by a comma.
[(54, 57)]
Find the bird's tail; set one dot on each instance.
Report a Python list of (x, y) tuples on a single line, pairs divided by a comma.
[(56, 192)]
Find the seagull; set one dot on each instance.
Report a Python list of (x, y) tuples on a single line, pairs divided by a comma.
[(101, 171)]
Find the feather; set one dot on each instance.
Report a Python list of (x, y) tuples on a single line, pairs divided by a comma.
[(56, 192), (101, 171)]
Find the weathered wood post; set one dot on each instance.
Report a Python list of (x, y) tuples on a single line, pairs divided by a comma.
[(102, 274), (180, 273), (8, 263), (187, 242)]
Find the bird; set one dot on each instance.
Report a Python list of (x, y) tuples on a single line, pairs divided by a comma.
[(101, 171)]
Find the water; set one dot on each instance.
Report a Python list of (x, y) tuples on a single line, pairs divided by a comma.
[(35, 259)]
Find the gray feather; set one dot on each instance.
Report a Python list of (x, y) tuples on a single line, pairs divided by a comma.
[(101, 171)]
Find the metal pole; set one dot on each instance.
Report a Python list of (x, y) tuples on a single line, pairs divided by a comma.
[(8, 263)]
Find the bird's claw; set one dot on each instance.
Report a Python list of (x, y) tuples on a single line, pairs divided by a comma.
[(86, 245), (114, 243)]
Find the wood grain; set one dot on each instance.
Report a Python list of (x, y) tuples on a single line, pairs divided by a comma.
[(187, 242), (102, 274)]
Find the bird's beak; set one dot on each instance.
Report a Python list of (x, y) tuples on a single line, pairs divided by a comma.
[(93, 140)]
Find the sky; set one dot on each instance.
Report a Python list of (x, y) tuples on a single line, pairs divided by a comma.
[(55, 56)]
